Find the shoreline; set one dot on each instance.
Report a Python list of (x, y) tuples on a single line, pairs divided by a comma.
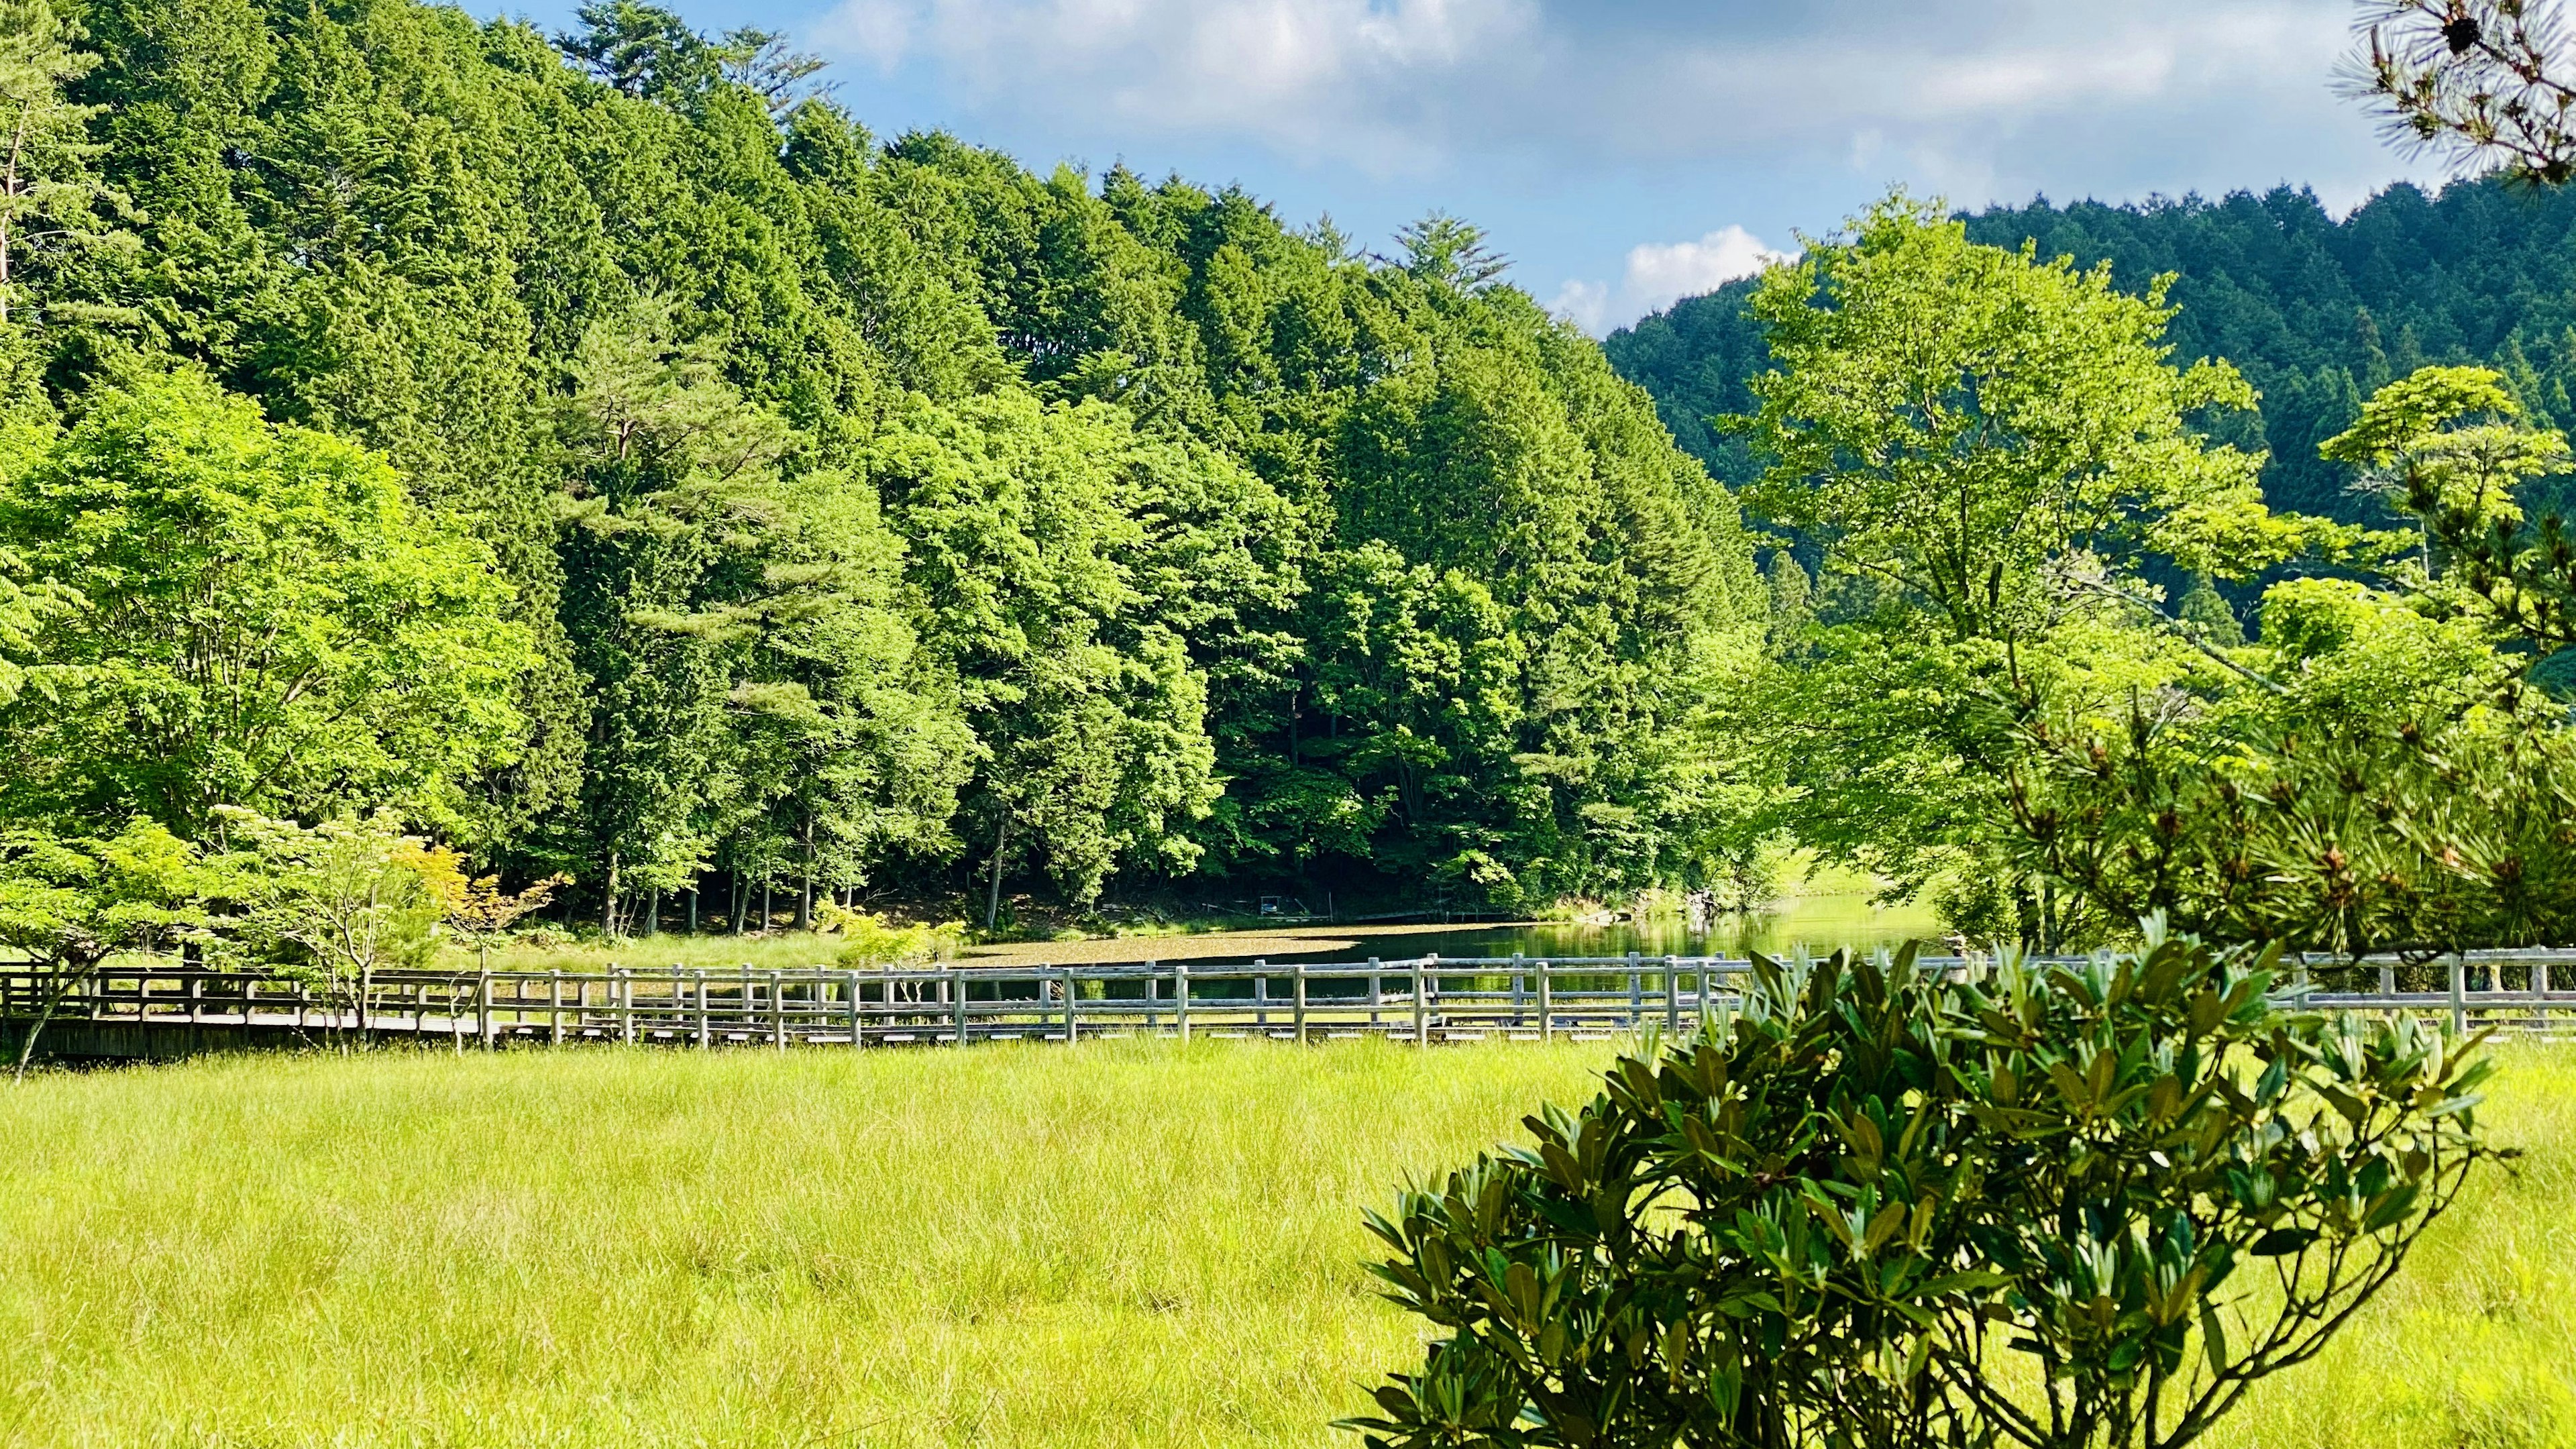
[(1206, 945)]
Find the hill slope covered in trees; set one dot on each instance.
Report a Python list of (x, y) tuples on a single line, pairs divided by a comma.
[(2317, 313), (877, 511)]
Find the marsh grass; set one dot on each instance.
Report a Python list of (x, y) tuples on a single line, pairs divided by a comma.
[(1128, 1243)]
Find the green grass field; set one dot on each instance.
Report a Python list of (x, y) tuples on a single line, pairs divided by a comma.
[(1121, 1244)]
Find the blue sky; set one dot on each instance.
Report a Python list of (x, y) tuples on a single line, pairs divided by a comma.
[(1622, 154)]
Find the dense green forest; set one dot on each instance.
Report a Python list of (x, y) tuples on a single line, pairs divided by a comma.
[(837, 511), (2317, 313), (443, 463)]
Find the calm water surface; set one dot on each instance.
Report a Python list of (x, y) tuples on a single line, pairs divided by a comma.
[(1819, 923)]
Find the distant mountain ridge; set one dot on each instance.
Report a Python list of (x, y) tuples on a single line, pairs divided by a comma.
[(2316, 312)]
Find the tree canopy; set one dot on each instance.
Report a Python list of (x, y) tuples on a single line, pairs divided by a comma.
[(770, 501)]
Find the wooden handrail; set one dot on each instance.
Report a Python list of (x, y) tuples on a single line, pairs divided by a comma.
[(1418, 1001)]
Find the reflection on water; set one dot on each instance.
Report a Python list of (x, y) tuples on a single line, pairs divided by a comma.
[(1819, 923)]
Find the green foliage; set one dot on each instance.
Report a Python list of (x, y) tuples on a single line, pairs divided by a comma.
[(1987, 453), (2317, 310), (69, 904), (2052, 1206), (2377, 775), (870, 940), (2353, 836), (1028, 528), (866, 505), (1793, 610), (337, 902), (248, 613), (2209, 614), (1955, 420), (2405, 443), (51, 196)]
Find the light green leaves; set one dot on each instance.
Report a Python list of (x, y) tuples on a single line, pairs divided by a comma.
[(261, 616)]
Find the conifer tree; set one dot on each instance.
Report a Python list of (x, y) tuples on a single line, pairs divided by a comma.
[(51, 197)]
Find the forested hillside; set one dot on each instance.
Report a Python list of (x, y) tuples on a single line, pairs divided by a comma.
[(825, 509), (2316, 313)]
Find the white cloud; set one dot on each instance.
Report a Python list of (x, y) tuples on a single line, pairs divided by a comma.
[(1344, 78), (1585, 304), (1662, 273), (1526, 105), (1416, 85)]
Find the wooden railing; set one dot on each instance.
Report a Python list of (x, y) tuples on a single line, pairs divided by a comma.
[(1420, 1000)]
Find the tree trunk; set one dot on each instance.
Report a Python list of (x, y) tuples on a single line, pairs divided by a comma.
[(54, 998), (8, 240), (805, 896), (608, 903), (993, 901)]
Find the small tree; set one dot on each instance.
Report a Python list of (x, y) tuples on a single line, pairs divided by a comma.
[(1826, 1221), (338, 901), (476, 908), (70, 904), (868, 939)]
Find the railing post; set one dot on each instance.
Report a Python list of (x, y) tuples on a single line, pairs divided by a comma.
[(2388, 980), (1261, 995), (1672, 1000), (482, 1006), (625, 1003), (1181, 997), (856, 1038), (1072, 1028), (956, 987), (1516, 990), (777, 1013), (2459, 993), (1377, 993), (1421, 1002), (1301, 1003), (698, 981), (1636, 991), (554, 1006), (1546, 1004)]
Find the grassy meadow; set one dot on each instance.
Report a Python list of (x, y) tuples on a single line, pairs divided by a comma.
[(1124, 1244)]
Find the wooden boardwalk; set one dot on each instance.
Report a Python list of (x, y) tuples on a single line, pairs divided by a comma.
[(157, 1011)]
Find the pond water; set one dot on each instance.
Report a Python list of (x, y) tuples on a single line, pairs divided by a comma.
[(1819, 923)]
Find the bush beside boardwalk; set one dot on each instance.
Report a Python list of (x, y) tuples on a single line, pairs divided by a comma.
[(1131, 1244)]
